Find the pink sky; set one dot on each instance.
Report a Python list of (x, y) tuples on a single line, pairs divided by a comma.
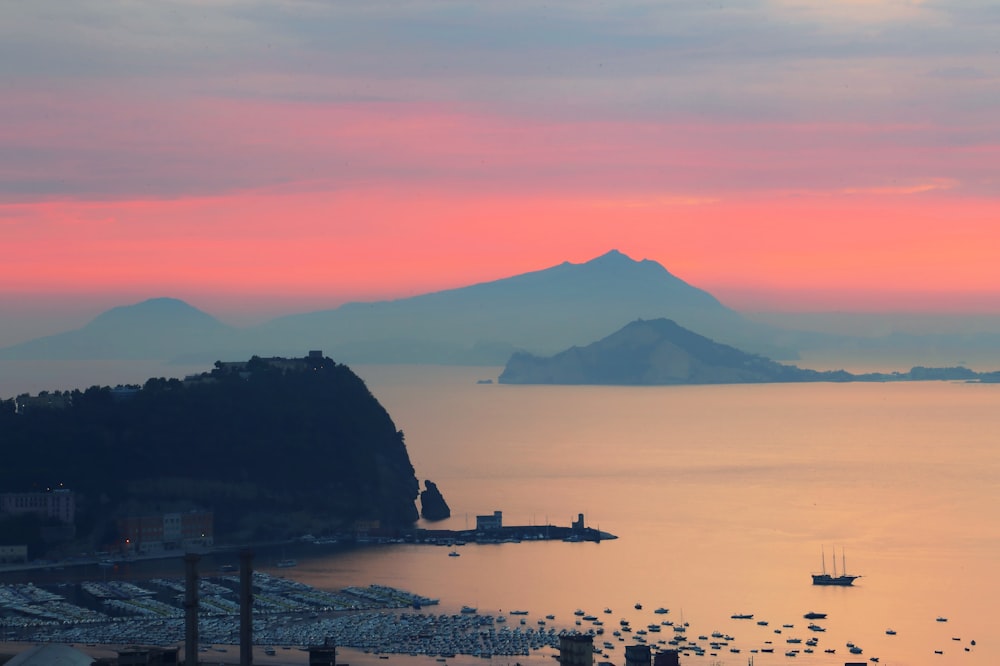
[(255, 159)]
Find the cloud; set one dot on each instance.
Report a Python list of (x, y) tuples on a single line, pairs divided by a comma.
[(908, 188), (966, 73), (196, 98)]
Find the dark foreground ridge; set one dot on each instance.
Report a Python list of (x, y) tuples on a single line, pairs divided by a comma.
[(271, 447), (661, 352)]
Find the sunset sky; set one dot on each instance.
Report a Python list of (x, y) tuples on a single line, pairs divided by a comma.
[(257, 158)]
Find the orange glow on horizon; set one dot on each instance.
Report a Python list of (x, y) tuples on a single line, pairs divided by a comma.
[(921, 251)]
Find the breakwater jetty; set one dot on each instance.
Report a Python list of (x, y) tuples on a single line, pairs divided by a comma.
[(490, 529), (509, 534)]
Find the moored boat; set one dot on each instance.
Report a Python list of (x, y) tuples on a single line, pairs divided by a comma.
[(843, 580)]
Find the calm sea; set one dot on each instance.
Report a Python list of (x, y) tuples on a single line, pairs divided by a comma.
[(724, 498)]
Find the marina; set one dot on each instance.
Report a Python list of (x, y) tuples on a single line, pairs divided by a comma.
[(374, 620)]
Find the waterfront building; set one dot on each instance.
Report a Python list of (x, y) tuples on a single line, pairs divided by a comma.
[(156, 532), (638, 655), (576, 650), (148, 656), (59, 504), (667, 658), (489, 522)]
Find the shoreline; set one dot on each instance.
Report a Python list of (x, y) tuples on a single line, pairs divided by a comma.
[(346, 656), (416, 535)]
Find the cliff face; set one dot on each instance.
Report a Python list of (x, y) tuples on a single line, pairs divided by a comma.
[(273, 446)]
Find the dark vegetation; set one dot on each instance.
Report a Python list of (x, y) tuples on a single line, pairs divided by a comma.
[(272, 446)]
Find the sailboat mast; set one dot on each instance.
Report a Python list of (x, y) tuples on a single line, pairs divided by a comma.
[(843, 557), (822, 550), (834, 561)]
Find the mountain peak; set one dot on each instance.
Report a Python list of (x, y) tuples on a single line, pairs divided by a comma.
[(618, 261), (612, 258), (154, 328), (613, 254), (152, 309), (652, 352)]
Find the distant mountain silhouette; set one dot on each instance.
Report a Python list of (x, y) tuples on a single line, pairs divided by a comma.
[(541, 311), (158, 328), (658, 352)]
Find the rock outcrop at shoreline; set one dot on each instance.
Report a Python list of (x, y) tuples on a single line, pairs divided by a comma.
[(432, 504)]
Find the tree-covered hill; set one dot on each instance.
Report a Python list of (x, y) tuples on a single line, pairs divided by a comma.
[(268, 444)]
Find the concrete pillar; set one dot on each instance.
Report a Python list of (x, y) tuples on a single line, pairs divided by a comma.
[(246, 607), (191, 609)]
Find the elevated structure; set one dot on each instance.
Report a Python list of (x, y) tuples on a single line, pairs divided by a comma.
[(158, 532), (148, 656), (323, 655), (246, 607), (488, 523), (576, 650), (667, 658), (191, 609), (59, 504), (638, 655)]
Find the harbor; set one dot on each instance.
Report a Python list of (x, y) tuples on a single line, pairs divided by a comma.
[(376, 622), (287, 616)]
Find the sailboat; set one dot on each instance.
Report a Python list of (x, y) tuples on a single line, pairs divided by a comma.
[(843, 579)]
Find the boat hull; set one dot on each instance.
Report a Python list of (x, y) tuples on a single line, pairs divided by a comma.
[(827, 579)]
